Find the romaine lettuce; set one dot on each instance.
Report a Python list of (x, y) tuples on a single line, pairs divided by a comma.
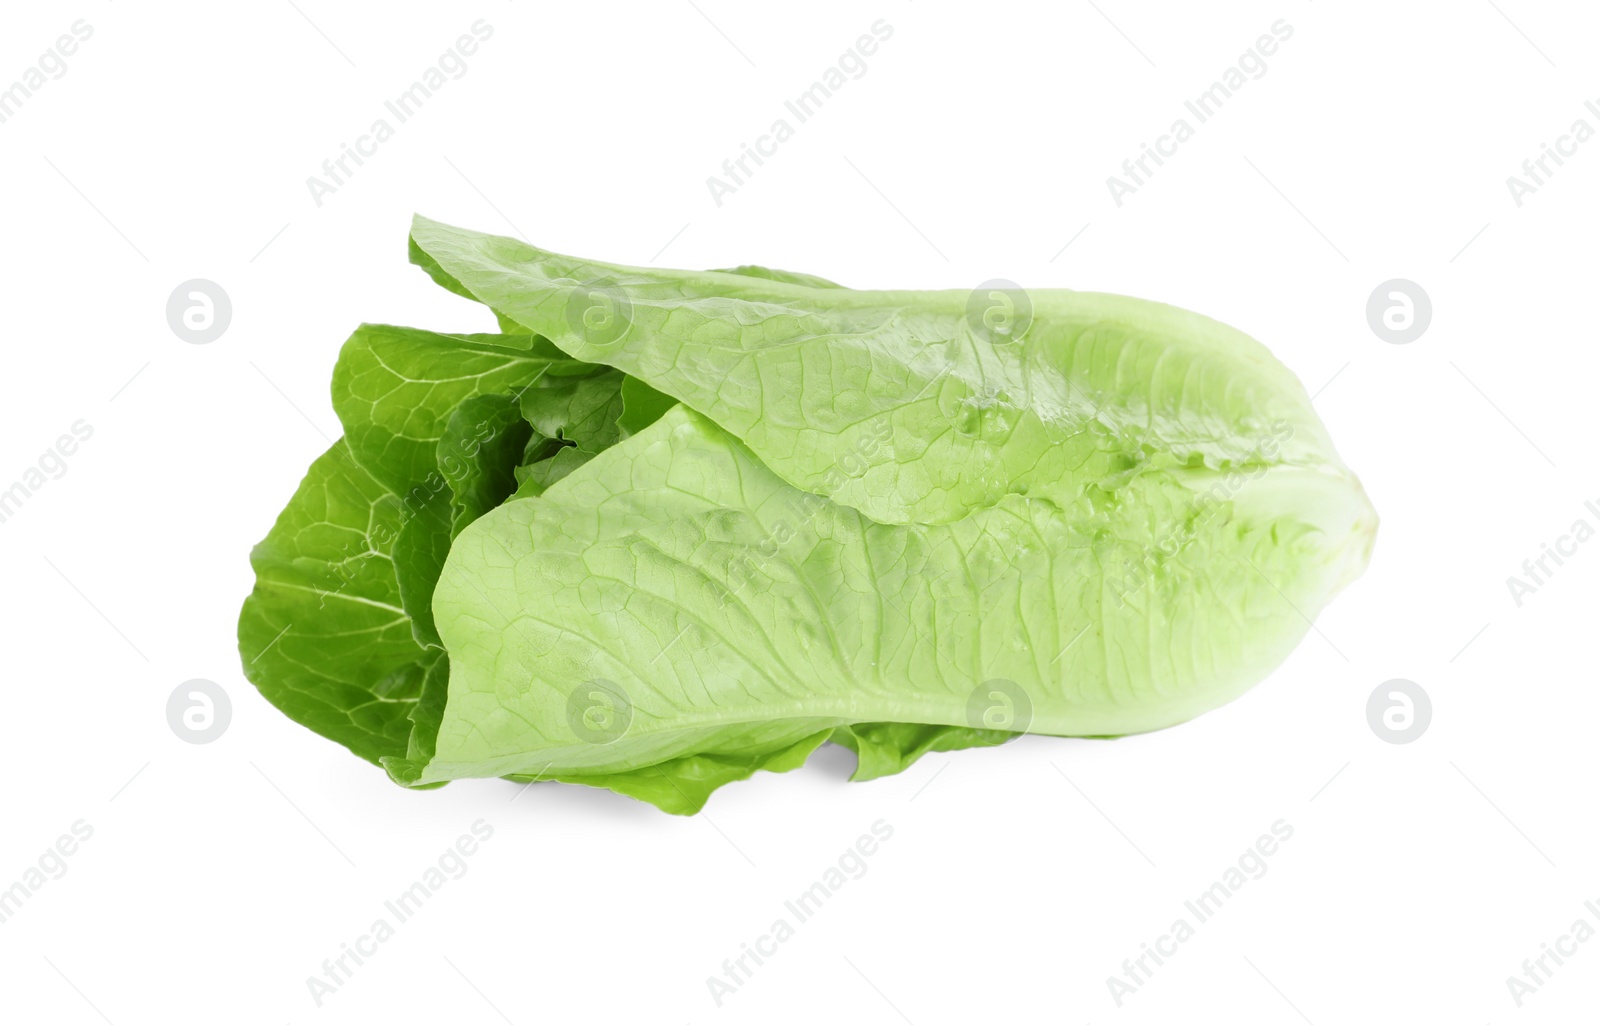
[(671, 528)]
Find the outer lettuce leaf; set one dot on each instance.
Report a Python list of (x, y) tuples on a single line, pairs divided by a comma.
[(728, 608), (323, 634), (906, 405)]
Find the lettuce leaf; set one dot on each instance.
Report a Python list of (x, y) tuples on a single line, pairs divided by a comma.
[(324, 636), (721, 606), (895, 403)]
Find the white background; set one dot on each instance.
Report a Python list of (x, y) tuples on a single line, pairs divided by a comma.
[(978, 143)]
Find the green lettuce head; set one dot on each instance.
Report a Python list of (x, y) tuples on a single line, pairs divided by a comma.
[(669, 528)]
